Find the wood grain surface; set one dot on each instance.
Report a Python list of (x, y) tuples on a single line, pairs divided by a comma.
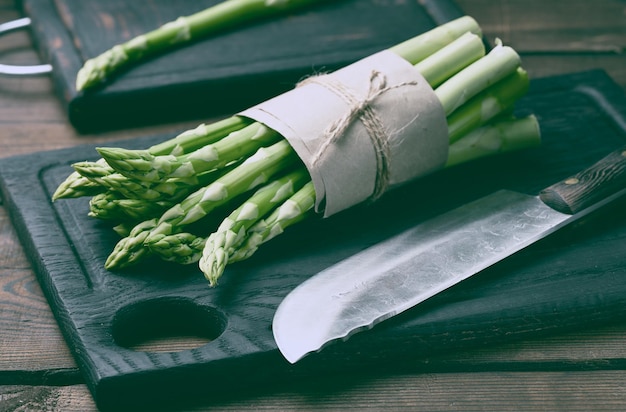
[(584, 370)]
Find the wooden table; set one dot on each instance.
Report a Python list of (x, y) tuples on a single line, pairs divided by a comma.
[(579, 371)]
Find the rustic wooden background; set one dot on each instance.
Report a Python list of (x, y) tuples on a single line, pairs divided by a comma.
[(579, 371)]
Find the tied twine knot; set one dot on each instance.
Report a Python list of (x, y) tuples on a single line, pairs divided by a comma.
[(360, 108)]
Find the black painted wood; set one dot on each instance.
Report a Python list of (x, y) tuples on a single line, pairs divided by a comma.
[(571, 279), (220, 74)]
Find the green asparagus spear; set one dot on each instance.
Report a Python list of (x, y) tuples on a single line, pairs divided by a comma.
[(416, 49), (130, 249), (232, 232), (499, 63), (110, 206), (451, 59), (295, 209), (495, 138), (76, 185), (183, 248), (167, 189), (200, 136), (255, 171), (143, 165), (485, 106), (175, 33)]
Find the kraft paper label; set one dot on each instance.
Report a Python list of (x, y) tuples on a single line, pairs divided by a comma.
[(361, 130)]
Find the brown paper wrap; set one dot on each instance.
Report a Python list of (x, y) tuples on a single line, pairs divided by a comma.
[(361, 130)]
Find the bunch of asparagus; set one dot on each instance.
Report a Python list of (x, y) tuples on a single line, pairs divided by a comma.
[(214, 194)]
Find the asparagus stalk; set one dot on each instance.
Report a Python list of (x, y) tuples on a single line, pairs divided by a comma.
[(77, 185), (297, 208), (130, 250), (451, 59), (109, 206), (224, 15), (233, 230), (487, 105), (499, 63), (202, 135), (169, 189), (183, 248), (495, 138), (93, 170), (256, 170), (421, 46), (143, 165), (109, 180)]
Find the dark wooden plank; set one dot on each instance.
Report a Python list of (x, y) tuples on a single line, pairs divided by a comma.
[(554, 391), (566, 26), (569, 35), (544, 66)]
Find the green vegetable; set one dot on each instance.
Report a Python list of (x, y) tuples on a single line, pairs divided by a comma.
[(246, 176), (185, 248), (492, 102), (111, 206), (183, 30), (233, 231), (295, 209), (130, 249), (77, 185), (256, 170), (499, 63), (499, 137), (144, 166), (452, 58), (416, 49), (182, 248)]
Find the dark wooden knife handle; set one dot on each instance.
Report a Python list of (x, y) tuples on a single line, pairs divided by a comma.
[(592, 185)]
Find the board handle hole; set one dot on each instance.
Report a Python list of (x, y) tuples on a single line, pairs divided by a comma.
[(166, 325)]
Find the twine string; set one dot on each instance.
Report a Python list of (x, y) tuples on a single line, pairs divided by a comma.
[(360, 108)]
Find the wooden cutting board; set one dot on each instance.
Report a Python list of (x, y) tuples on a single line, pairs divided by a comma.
[(572, 279), (220, 74)]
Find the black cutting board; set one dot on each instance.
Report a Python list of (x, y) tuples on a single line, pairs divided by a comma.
[(220, 74), (572, 279)]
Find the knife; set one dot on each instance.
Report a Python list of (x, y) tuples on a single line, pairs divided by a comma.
[(404, 270)]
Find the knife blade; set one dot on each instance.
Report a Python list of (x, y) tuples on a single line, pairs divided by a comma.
[(404, 270)]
